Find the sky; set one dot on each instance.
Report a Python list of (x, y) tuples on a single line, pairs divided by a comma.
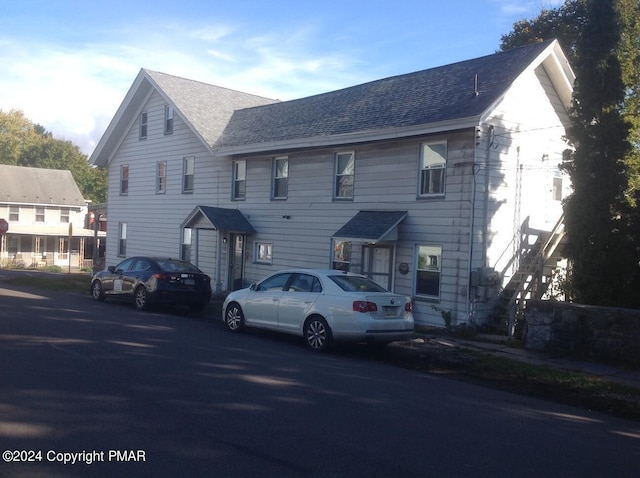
[(67, 65)]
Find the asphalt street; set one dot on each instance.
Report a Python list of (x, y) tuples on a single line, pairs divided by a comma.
[(100, 389)]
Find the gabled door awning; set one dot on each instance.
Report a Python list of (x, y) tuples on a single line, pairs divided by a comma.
[(372, 226), (218, 218)]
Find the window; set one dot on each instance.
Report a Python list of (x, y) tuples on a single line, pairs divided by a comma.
[(124, 179), (345, 169), (556, 190), (280, 178), (342, 256), (428, 271), (433, 163), (168, 119), (189, 169), (263, 253), (64, 215), (122, 239), (143, 125), (161, 177), (185, 251), (14, 213), (239, 187), (275, 283), (39, 214)]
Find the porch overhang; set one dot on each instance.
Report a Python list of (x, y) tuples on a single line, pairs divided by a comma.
[(218, 218), (61, 231), (372, 226)]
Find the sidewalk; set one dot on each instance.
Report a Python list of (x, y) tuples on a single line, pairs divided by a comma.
[(494, 344)]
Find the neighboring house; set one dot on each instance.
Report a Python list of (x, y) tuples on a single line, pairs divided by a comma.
[(440, 184), (44, 209)]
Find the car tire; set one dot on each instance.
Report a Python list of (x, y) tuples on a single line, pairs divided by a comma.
[(96, 291), (317, 334), (141, 298), (234, 318)]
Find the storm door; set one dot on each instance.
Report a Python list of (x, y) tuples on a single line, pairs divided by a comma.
[(377, 264), (236, 261)]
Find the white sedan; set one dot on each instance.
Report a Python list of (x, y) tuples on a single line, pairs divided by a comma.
[(321, 306)]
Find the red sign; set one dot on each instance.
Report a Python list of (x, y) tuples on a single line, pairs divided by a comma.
[(4, 226)]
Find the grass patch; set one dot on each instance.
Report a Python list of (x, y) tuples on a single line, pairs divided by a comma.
[(61, 283)]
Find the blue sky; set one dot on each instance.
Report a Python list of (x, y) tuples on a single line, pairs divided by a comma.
[(68, 64)]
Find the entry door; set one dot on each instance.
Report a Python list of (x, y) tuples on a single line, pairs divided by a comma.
[(377, 264), (236, 261)]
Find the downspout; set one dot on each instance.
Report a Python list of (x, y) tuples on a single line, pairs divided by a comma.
[(472, 200), (219, 263)]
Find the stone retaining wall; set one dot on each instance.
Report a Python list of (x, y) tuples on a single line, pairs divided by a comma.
[(606, 334)]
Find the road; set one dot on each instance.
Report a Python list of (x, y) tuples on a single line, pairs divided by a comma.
[(117, 392)]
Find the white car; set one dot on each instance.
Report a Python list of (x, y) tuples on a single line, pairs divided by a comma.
[(321, 306)]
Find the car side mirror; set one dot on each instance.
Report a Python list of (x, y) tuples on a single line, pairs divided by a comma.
[(253, 286), (111, 269)]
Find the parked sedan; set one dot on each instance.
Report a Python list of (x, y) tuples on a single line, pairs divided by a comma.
[(321, 306), (153, 280)]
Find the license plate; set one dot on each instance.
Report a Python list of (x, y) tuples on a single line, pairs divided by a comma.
[(189, 282), (390, 311)]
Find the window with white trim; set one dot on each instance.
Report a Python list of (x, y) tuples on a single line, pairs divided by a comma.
[(433, 164), (39, 214), (341, 256), (188, 174), (143, 125), (122, 239), (263, 253), (168, 119), (279, 186), (344, 175), (428, 270), (161, 177), (14, 213), (64, 215), (124, 179), (239, 187)]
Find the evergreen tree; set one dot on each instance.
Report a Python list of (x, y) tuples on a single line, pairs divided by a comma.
[(601, 248)]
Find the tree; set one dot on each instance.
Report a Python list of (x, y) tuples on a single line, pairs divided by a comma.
[(601, 216), (23, 143)]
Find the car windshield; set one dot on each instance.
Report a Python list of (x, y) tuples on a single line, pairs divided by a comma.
[(176, 266), (356, 284)]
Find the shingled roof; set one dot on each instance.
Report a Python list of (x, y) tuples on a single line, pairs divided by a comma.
[(23, 185), (443, 95), (205, 108)]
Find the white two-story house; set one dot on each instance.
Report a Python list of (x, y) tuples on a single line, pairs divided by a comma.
[(47, 214), (441, 184)]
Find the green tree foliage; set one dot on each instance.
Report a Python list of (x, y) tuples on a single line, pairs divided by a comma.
[(601, 39), (23, 143)]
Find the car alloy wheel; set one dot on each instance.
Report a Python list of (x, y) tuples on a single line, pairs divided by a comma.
[(141, 298), (317, 334), (96, 291), (234, 318)]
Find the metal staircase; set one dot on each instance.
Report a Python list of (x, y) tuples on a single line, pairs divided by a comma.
[(531, 279)]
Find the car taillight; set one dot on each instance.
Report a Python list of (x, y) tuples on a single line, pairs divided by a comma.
[(364, 306), (408, 307), (164, 276)]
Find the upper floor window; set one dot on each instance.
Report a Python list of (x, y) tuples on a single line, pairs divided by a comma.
[(143, 125), (124, 179), (39, 214), (189, 172), (280, 178), (344, 174), (14, 213), (433, 162), (239, 187), (161, 177), (168, 119), (428, 269), (64, 215)]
